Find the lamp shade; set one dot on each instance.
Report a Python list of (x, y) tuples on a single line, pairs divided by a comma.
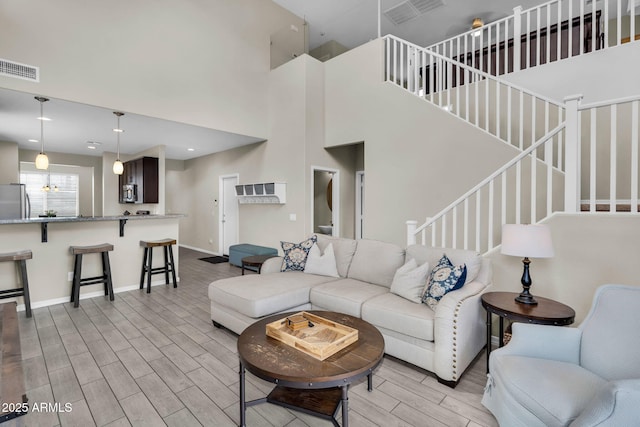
[(527, 240), (42, 161), (118, 167)]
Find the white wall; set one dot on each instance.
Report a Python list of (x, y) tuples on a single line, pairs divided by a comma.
[(202, 62), (598, 76), (418, 158), (9, 170), (590, 250), (51, 263), (296, 135)]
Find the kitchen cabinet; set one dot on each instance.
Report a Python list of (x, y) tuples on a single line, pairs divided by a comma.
[(143, 173)]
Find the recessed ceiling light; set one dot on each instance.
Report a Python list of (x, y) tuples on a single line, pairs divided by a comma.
[(92, 145), (44, 119), (191, 149), (33, 140), (118, 130)]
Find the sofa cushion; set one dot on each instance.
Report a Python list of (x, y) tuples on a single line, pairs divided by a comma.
[(257, 296), (445, 277), (295, 254), (376, 262), (343, 249), (558, 396), (323, 264), (471, 259), (344, 296), (410, 281), (392, 312)]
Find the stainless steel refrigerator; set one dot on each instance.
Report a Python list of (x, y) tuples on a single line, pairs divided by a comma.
[(14, 202)]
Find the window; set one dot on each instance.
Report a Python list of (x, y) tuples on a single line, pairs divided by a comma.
[(63, 202)]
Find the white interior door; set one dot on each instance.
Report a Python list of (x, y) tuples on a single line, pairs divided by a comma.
[(229, 221)]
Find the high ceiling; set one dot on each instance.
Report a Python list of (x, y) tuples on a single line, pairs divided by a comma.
[(354, 22), (349, 22)]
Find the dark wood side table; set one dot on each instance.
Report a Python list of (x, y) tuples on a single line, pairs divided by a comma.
[(546, 312), (255, 261), (316, 387)]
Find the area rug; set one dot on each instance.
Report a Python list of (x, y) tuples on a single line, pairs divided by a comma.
[(215, 259)]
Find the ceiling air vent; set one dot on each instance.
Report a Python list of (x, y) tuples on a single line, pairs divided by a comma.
[(424, 6), (19, 71), (411, 9)]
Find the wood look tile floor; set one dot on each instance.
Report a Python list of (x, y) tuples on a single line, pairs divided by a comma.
[(156, 360)]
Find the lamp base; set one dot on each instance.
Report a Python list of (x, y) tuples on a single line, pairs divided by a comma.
[(526, 298)]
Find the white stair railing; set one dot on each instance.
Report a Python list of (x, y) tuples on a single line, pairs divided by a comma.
[(609, 135), (513, 114), (501, 46), (526, 189)]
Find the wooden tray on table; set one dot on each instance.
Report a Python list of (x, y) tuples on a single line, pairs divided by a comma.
[(314, 335)]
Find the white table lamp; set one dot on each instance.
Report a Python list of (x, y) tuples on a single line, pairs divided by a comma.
[(526, 241)]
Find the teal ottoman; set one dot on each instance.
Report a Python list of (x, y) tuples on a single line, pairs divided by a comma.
[(237, 252)]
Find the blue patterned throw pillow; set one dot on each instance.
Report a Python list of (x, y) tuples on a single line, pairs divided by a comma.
[(444, 278), (295, 254)]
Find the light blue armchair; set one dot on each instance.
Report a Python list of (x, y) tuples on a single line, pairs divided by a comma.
[(561, 376)]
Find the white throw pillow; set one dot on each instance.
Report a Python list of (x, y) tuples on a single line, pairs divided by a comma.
[(321, 264), (410, 280)]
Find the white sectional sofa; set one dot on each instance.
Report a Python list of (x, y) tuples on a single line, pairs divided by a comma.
[(444, 341)]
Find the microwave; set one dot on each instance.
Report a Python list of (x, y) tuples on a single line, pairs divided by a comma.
[(129, 193)]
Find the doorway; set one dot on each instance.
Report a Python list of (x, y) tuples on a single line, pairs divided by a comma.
[(325, 201), (228, 221)]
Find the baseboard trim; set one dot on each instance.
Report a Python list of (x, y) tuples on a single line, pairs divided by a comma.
[(193, 248), (62, 300)]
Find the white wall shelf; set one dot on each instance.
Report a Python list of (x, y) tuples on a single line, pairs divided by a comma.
[(262, 193)]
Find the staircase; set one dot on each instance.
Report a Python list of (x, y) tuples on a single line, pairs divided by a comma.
[(572, 157)]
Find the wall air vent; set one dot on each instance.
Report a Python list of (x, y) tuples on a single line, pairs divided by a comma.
[(410, 9), (19, 71)]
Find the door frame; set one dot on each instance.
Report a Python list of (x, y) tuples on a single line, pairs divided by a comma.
[(221, 179), (359, 208), (335, 198)]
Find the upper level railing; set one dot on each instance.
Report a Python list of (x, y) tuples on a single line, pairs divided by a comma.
[(545, 33), (513, 114)]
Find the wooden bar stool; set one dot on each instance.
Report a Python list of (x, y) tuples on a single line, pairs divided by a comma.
[(78, 281), (20, 258), (147, 261)]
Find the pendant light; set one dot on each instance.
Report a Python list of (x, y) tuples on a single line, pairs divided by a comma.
[(118, 167), (42, 161), (47, 187)]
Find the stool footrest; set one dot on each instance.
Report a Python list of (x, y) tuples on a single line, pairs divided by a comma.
[(158, 270), (93, 280), (10, 293)]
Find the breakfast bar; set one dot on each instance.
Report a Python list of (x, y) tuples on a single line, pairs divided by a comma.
[(51, 267)]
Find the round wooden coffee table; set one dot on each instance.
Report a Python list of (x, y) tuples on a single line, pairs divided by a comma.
[(304, 383)]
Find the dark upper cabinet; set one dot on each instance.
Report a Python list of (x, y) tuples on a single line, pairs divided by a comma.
[(143, 173)]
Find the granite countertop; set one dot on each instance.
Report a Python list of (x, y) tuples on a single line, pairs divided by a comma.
[(87, 218)]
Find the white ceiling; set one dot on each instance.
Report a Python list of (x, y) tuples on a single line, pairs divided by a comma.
[(349, 22), (73, 124), (354, 22)]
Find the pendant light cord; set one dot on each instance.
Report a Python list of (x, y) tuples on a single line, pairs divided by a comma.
[(41, 126)]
